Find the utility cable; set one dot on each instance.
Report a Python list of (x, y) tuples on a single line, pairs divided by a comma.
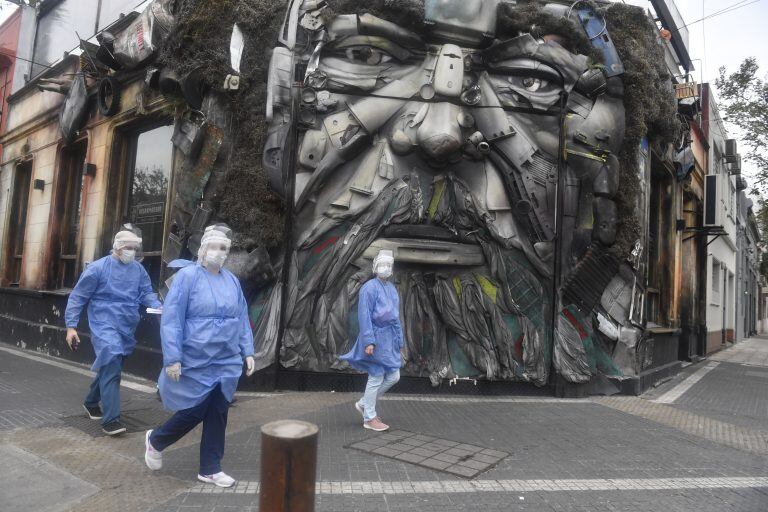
[(725, 10)]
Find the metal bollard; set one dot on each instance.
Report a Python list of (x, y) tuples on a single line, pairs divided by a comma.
[(288, 466)]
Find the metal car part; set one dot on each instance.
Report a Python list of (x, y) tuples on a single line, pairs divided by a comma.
[(313, 148), (569, 355), (568, 65), (287, 35), (606, 221), (407, 250), (74, 110), (592, 82), (279, 81), (390, 47), (236, 47), (616, 298), (448, 78), (595, 26), (200, 219), (439, 135), (188, 134), (529, 176), (468, 23), (139, 41), (584, 286), (625, 353), (607, 327), (348, 25), (606, 182)]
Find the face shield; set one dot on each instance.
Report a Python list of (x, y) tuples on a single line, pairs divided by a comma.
[(127, 244), (215, 245), (383, 263)]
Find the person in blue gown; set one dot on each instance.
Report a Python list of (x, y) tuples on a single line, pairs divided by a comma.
[(377, 350), (112, 288), (206, 335)]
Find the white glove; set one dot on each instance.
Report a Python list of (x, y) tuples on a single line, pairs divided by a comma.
[(250, 366), (173, 371)]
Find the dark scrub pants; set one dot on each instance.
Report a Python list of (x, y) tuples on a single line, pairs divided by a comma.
[(212, 411), (105, 388)]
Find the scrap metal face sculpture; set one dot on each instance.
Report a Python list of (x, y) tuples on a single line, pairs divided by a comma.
[(484, 160)]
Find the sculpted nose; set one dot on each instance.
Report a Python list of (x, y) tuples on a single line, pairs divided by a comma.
[(440, 134)]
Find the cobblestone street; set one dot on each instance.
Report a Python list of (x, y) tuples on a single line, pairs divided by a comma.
[(697, 443)]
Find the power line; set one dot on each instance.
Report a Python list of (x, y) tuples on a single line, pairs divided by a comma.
[(25, 60), (725, 10)]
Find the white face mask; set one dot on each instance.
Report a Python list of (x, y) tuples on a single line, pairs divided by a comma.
[(215, 257), (127, 255), (384, 270)]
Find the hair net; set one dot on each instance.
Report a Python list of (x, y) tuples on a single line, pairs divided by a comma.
[(214, 234), (384, 256), (124, 238)]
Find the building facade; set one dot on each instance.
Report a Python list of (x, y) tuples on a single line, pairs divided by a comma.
[(748, 268), (87, 148), (65, 194), (721, 221)]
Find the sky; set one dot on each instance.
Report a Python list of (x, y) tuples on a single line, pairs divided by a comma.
[(726, 40), (6, 9)]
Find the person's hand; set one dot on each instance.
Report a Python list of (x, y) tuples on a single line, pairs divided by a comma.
[(173, 372), (73, 340), (250, 366), (369, 350)]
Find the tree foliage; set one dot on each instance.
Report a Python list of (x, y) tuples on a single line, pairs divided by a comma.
[(744, 104), (149, 186)]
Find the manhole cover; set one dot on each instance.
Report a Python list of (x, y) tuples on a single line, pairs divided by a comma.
[(461, 459)]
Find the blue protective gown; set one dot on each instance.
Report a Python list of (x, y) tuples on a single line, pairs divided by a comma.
[(205, 326), (113, 291), (378, 313)]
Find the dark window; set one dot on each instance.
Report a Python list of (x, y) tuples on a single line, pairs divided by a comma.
[(18, 222), (72, 173), (150, 159), (661, 252)]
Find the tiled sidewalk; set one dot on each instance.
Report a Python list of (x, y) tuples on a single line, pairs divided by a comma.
[(607, 454)]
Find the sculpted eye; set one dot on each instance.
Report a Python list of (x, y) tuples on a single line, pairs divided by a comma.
[(532, 84), (367, 55)]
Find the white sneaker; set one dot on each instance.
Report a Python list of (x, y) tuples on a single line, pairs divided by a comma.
[(360, 409), (220, 479), (152, 457)]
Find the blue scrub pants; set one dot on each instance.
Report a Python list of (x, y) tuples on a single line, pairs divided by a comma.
[(377, 385), (212, 411), (105, 388)]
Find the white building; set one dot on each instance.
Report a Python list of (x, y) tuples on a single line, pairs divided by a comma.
[(720, 216)]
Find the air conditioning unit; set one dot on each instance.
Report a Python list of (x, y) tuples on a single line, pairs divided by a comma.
[(731, 151), (712, 207), (735, 166)]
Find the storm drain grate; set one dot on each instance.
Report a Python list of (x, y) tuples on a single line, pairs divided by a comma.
[(461, 459)]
